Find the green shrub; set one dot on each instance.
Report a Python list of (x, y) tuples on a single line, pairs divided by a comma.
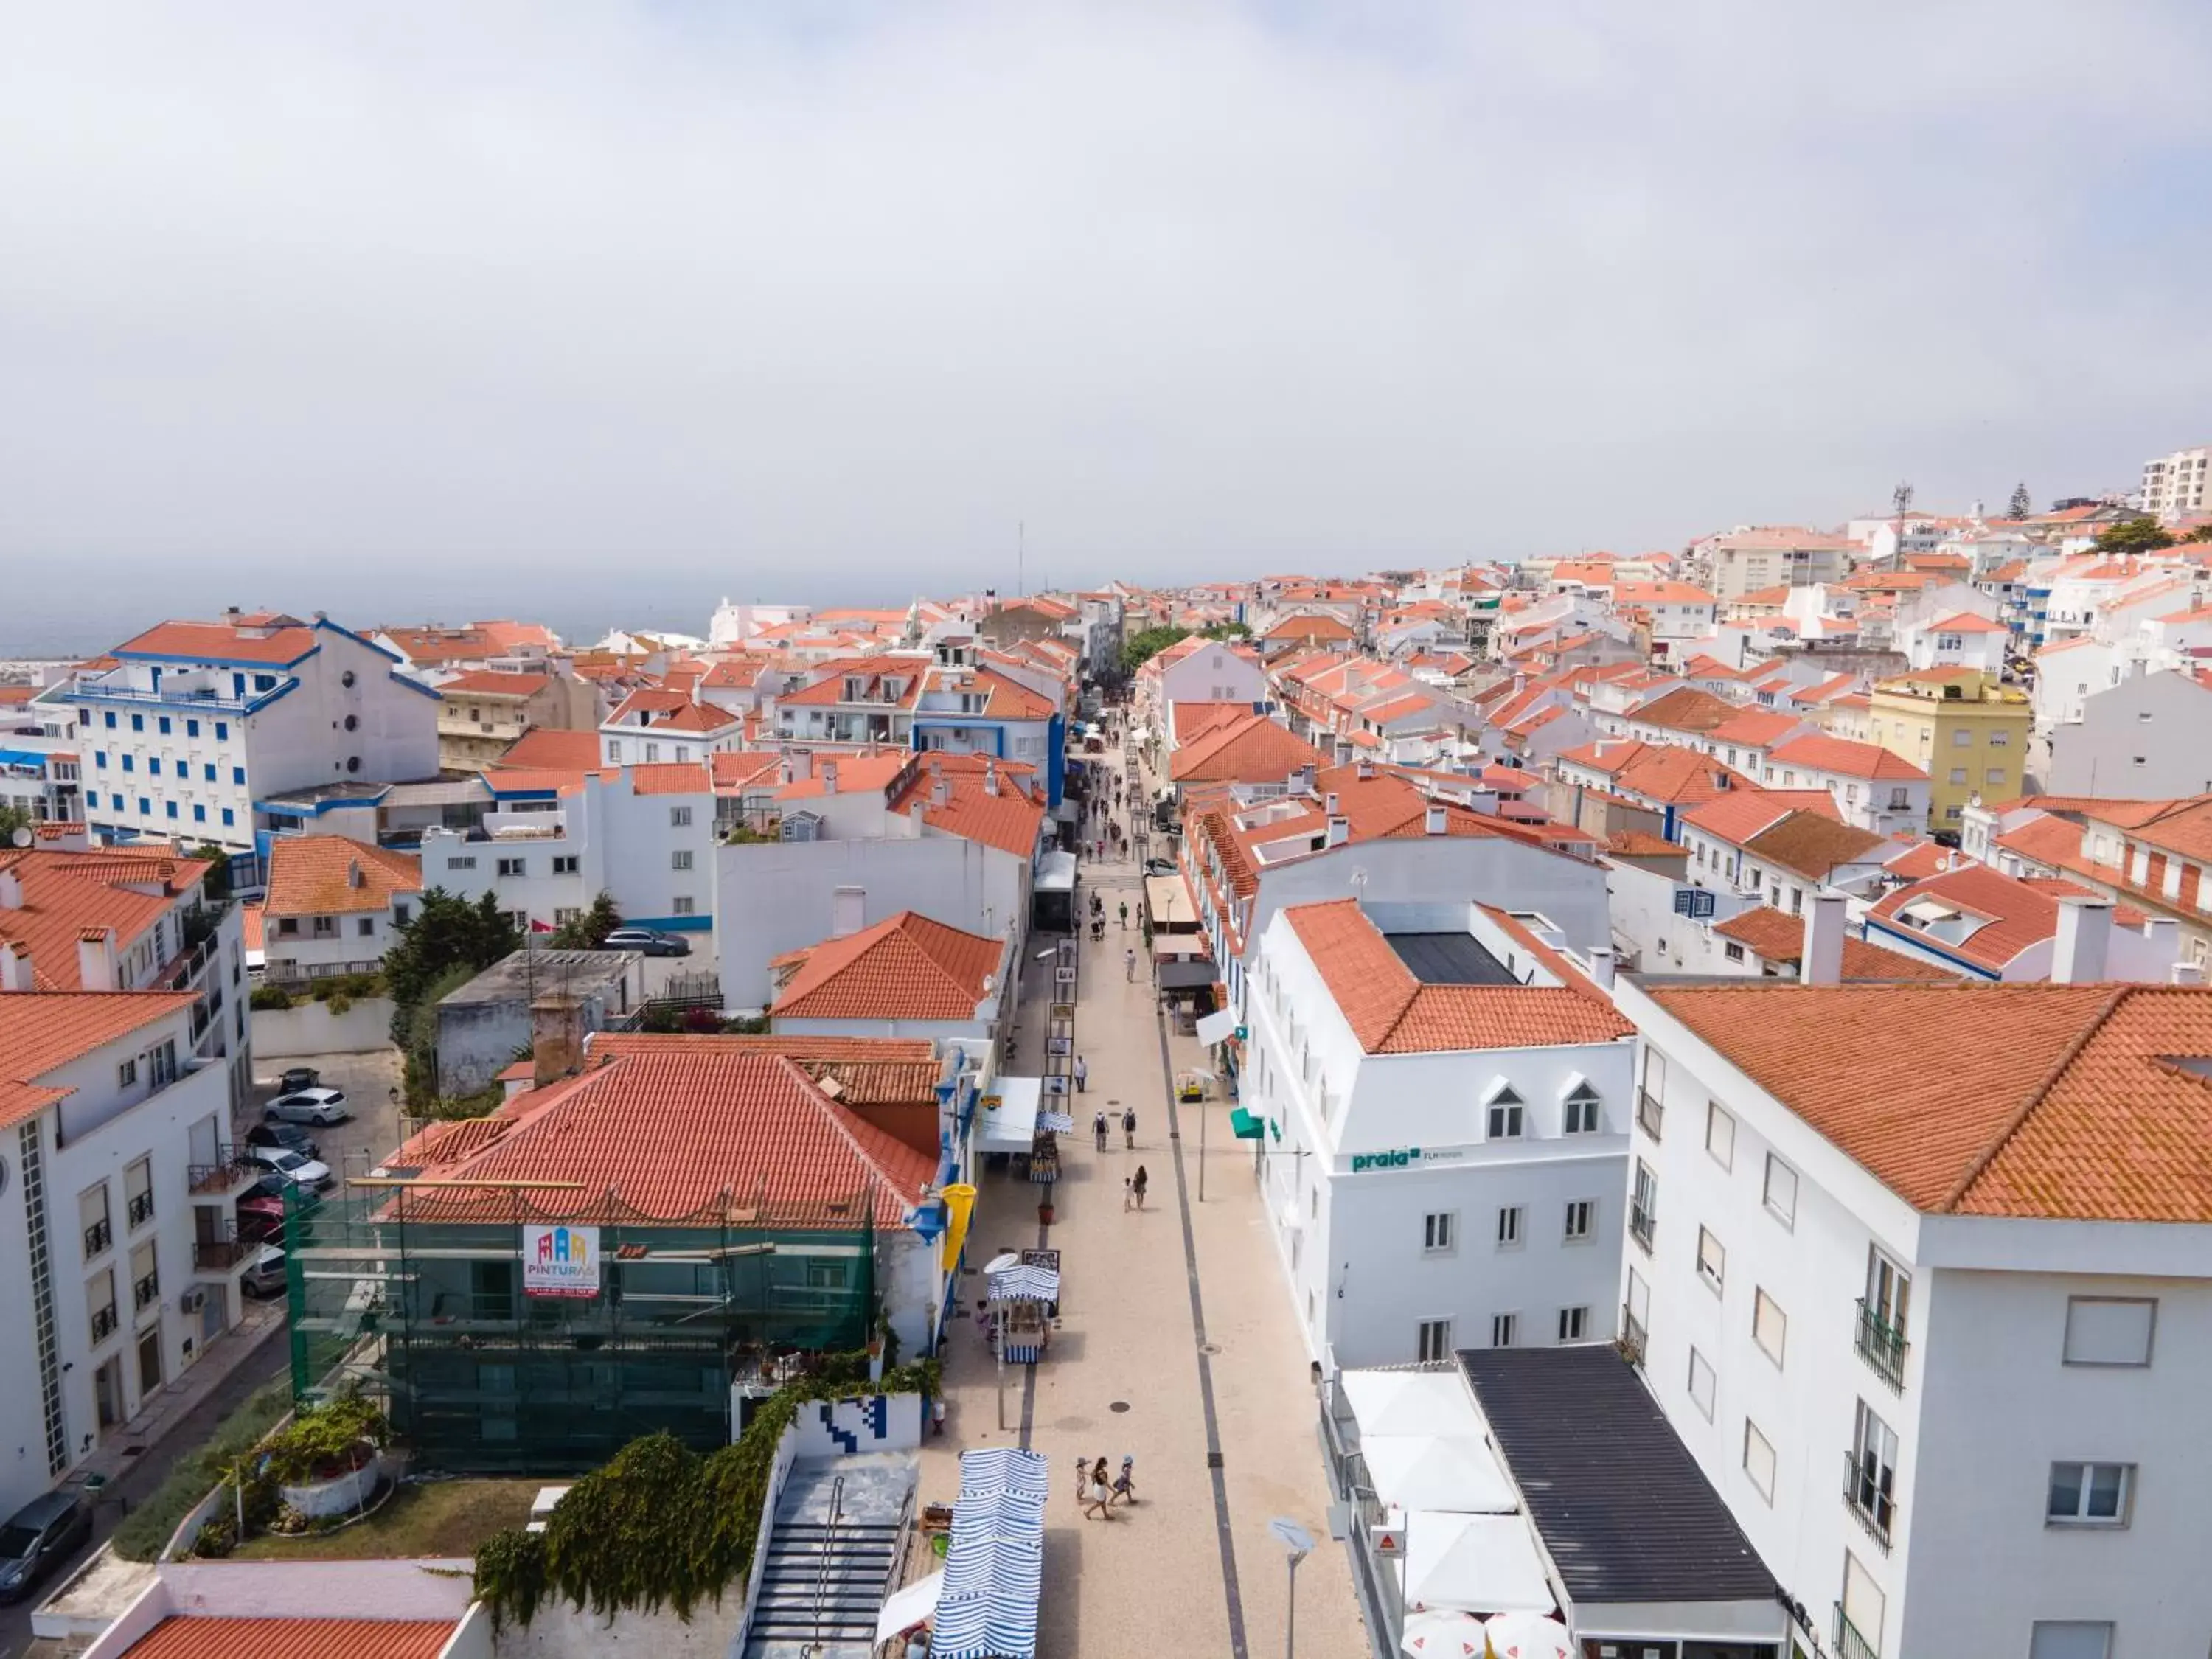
[(270, 999), (143, 1532)]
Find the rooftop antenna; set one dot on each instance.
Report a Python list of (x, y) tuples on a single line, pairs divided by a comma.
[(1021, 552)]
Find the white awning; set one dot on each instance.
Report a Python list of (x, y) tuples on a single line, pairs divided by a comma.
[(1414, 1402), (1010, 1125), (909, 1607), (1424, 1472), (1481, 1563), (1167, 899), (1216, 1027)]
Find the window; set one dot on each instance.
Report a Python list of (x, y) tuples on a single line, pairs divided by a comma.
[(222, 730), (129, 764), (145, 807), (1582, 1113), (1732, 950), (366, 927), (1580, 1213), (207, 772), (228, 817), (1433, 1338), (168, 809), (1503, 1327), (1720, 1135), (1872, 1491), (1770, 1326), (1505, 1115), (2000, 739), (1958, 775), (1509, 1226), (401, 914), (1712, 1260), (651, 753), (680, 907), (1574, 1323), (567, 864), (564, 914), (1701, 1385), (264, 682), (679, 817), (467, 863), (2069, 1638), (199, 813), (238, 775), (1781, 1191), (137, 722), (513, 867), (680, 859), (1759, 1459), (1439, 1232), (192, 728), (162, 720), (1643, 1206), (111, 719), (100, 759), (2105, 1330), (126, 1075), (1649, 1107), (2090, 1494)]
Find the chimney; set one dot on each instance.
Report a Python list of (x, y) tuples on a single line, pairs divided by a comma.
[(1366, 768), (1339, 827), (1435, 820), (1602, 962), (353, 872), (15, 968), (95, 959), (11, 890), (990, 776), (1820, 957), (2085, 933), (2163, 935), (1306, 776), (2182, 973), (1328, 803), (940, 789), (556, 1038), (828, 777)]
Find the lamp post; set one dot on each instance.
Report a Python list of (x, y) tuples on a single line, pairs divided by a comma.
[(1299, 1543)]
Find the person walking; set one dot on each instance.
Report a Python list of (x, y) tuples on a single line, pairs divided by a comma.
[(1129, 1128), (1082, 1074), (1129, 965), (1127, 1192), (1098, 1130), (1125, 1484), (1137, 1186), (1125, 915), (1097, 1495)]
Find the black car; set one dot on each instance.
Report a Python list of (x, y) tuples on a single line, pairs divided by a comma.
[(298, 1077), (39, 1537), (290, 1136)]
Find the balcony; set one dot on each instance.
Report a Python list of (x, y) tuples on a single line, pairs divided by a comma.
[(228, 1173), (1650, 1114), (140, 1210), (217, 1255), (1867, 1496), (1849, 1644), (1882, 1345), (1643, 1223), (103, 1322), (146, 1289), (97, 1237)]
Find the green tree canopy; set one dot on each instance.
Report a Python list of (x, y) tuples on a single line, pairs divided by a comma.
[(2143, 535), (589, 931), (1228, 630), (2021, 505), (445, 932), (1140, 649), (12, 819)]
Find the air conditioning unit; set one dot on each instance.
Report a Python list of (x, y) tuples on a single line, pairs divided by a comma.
[(192, 1302)]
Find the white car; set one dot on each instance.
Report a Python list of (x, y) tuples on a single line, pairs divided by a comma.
[(299, 1171), (321, 1107)]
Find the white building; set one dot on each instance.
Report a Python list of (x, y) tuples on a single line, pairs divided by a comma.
[(1438, 1100), (2173, 485), (115, 1218), (2145, 739), (198, 721), (334, 906), (1873, 788), (1937, 1333)]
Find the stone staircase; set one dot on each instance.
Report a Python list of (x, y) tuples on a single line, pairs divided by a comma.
[(831, 1554)]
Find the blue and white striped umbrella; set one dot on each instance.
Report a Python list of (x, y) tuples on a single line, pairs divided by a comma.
[(994, 1564), (1023, 1284), (1059, 1123), (995, 1469)]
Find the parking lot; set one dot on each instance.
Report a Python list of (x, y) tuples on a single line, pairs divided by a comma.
[(370, 1084)]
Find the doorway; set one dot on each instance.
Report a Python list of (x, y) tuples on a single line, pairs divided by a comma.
[(107, 1393), (214, 1306), (149, 1361)]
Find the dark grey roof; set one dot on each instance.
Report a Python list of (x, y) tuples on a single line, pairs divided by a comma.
[(1623, 1508), (1449, 959)]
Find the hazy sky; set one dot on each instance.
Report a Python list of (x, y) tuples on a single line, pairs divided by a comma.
[(812, 300)]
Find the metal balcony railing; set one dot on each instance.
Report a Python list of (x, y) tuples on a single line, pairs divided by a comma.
[(1650, 1114), (103, 1322), (140, 1209), (1643, 1223), (1865, 1494), (1849, 1644), (225, 1250), (145, 1290), (1882, 1345), (227, 1171), (97, 1237)]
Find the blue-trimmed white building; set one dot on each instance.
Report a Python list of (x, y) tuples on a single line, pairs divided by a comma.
[(183, 727)]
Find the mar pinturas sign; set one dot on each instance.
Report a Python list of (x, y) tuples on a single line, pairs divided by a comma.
[(561, 1260)]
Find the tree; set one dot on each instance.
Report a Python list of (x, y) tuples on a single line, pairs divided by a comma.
[(2021, 505), (1228, 630), (2201, 533), (217, 883), (589, 931), (446, 932), (1140, 649), (12, 819), (2143, 535)]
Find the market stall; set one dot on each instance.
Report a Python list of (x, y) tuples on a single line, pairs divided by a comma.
[(1021, 1301)]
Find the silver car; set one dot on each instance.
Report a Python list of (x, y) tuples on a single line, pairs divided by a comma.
[(320, 1107), (299, 1171)]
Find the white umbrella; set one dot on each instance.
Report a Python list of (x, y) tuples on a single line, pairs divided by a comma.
[(1412, 1402), (1483, 1563), (1433, 1472), (1442, 1634), (1529, 1635)]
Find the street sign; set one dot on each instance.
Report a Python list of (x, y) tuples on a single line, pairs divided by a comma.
[(1065, 973), (1042, 1258), (1389, 1541), (1059, 1011)]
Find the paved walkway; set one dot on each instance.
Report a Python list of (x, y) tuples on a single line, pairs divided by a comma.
[(1191, 1569)]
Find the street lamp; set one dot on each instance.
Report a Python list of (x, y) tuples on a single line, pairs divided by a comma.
[(1298, 1542)]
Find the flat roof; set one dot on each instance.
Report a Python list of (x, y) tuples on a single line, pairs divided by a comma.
[(1624, 1510), (543, 973), (1450, 959)]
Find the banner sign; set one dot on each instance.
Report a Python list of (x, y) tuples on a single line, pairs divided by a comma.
[(560, 1262)]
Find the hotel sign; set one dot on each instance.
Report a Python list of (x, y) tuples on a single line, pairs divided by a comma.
[(1406, 1157), (560, 1262)]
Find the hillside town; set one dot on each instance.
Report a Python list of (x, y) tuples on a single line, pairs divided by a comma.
[(615, 1145)]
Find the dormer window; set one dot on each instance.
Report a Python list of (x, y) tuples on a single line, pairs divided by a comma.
[(1507, 1114), (1584, 1111)]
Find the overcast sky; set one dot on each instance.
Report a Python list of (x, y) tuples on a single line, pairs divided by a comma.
[(817, 300)]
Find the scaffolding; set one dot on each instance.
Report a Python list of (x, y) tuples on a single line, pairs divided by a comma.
[(418, 1294)]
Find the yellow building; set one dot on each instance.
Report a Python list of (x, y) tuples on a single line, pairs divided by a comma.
[(1962, 726)]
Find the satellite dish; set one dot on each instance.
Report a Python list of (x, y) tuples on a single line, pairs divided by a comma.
[(23, 835)]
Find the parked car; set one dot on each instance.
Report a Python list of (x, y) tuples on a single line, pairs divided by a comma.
[(645, 940), (261, 1215), (1159, 866), (264, 1275), (289, 1136), (39, 1537), (297, 1078), (316, 1106), (299, 1171)]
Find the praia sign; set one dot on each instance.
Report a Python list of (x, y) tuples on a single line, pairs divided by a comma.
[(1399, 1158)]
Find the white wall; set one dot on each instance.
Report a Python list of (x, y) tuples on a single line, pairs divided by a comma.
[(2143, 740), (310, 1028), (817, 1419)]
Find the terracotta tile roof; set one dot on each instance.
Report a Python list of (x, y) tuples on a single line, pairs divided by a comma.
[(1314, 625), (1756, 726), (200, 1637), (697, 1131), (330, 875), (2185, 827), (451, 1140), (1392, 1012), (682, 778), (1009, 821), (1812, 844), (285, 642), (735, 770), (43, 1031), (1780, 938), (1190, 720), (1918, 859), (483, 683), (546, 749), (2053, 1102), (1253, 750), (1006, 698), (1966, 622), (1637, 844), (2014, 914), (2047, 839), (1399, 709), (65, 893), (855, 774), (905, 967), (507, 780), (1738, 815), (1845, 758), (1677, 777)]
